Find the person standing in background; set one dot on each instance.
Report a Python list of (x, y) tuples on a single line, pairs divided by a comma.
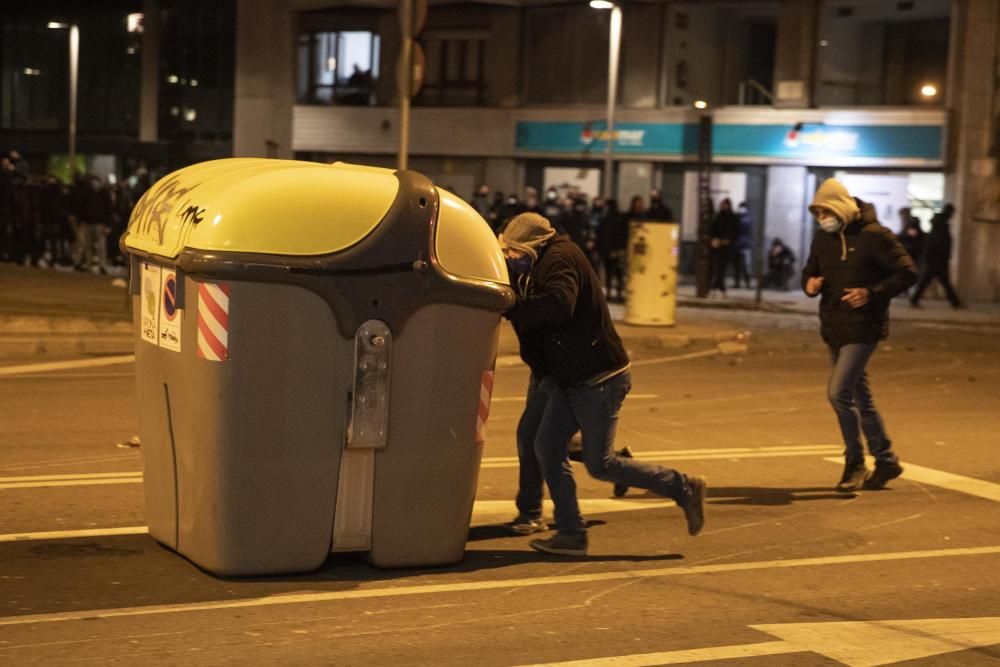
[(937, 258)]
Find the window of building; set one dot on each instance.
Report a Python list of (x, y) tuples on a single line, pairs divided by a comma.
[(34, 72), (33, 76), (872, 53), (338, 67), (197, 70), (454, 68)]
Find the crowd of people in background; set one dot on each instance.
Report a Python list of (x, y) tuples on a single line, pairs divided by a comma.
[(601, 230), (596, 225), (47, 223)]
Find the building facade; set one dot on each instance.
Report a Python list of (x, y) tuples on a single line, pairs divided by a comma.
[(899, 99)]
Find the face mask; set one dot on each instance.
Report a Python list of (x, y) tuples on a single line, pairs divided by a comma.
[(519, 265), (831, 224)]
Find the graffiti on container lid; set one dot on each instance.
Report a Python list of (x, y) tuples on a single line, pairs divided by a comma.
[(193, 214), (152, 213)]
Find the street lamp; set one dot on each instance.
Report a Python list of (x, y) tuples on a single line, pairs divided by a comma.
[(614, 44), (74, 64)]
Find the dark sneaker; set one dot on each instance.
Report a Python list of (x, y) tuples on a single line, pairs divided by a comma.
[(621, 489), (522, 525), (882, 474), (563, 544), (853, 477), (694, 510)]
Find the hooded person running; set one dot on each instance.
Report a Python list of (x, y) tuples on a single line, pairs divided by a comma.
[(565, 331), (857, 266)]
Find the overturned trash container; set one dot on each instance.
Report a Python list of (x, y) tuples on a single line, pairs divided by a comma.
[(314, 362)]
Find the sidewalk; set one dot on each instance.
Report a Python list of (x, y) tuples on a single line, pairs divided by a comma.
[(795, 301), (47, 312)]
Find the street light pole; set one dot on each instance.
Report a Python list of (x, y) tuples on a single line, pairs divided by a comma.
[(614, 48), (74, 67)]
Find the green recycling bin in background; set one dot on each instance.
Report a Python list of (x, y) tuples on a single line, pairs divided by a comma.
[(314, 359)]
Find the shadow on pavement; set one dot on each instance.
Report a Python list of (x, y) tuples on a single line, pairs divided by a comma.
[(496, 531), (762, 495)]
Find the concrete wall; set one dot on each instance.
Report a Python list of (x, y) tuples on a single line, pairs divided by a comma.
[(793, 59), (264, 87), (502, 74), (641, 51), (634, 178), (974, 184), (695, 53)]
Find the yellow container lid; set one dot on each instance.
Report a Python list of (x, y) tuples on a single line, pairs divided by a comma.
[(464, 243), (256, 205)]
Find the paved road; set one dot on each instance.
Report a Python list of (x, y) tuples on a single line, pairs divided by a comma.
[(786, 573)]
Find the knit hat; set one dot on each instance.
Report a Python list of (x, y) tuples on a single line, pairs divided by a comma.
[(833, 196), (527, 232)]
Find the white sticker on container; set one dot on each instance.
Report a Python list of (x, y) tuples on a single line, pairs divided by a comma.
[(170, 314), (149, 304)]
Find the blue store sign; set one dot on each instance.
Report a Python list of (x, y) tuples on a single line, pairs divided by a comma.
[(807, 142)]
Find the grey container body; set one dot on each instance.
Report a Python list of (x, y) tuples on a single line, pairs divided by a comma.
[(242, 458)]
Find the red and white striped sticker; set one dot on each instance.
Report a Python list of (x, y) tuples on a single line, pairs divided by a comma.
[(213, 321), (485, 394)]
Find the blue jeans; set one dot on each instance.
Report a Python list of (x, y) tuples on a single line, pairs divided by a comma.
[(529, 489), (851, 397), (593, 410)]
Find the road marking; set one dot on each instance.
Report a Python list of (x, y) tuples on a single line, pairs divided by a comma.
[(734, 453), (854, 643), (66, 365), (714, 352), (359, 592), (515, 360), (945, 480), (484, 511), (520, 399), (680, 657), (705, 454), (74, 534)]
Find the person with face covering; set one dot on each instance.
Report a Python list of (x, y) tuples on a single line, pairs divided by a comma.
[(856, 266), (566, 333)]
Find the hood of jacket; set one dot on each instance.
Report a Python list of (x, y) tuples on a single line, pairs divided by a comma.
[(832, 195)]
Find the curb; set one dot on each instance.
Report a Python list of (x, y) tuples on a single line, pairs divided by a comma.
[(23, 346), (16, 324)]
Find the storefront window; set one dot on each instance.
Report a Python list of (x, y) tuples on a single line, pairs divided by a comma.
[(874, 53), (338, 67)]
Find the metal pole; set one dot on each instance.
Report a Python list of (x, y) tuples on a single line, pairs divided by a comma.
[(406, 63), (74, 61), (614, 44)]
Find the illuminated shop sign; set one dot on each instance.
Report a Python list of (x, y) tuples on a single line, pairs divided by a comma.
[(807, 142)]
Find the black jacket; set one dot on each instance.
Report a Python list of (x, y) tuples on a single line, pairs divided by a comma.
[(564, 318), (937, 245), (863, 254)]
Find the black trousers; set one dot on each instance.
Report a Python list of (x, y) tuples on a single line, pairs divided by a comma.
[(941, 273)]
